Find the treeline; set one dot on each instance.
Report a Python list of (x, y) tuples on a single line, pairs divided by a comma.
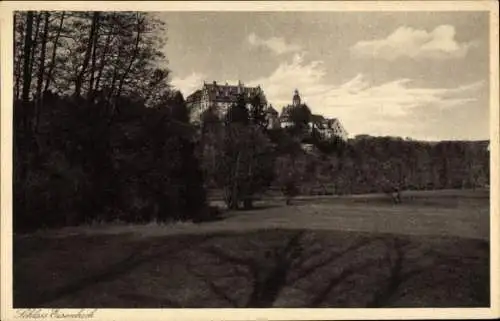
[(371, 165)]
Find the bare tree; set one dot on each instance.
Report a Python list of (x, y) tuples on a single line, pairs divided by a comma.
[(28, 43), (41, 70), (88, 51), (55, 45)]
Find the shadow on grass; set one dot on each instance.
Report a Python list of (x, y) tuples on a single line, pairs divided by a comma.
[(286, 266), (279, 268), (143, 252)]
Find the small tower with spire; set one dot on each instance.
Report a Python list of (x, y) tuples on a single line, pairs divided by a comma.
[(296, 99)]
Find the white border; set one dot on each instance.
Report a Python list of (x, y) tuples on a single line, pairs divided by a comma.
[(6, 8)]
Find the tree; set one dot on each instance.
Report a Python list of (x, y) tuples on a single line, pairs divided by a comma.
[(238, 112), (41, 70), (28, 44), (55, 45), (238, 159), (178, 108), (247, 164), (88, 50), (289, 175), (300, 116), (257, 111)]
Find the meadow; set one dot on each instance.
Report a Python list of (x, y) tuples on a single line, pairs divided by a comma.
[(333, 251)]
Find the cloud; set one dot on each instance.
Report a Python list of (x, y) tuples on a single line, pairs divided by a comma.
[(277, 45), (188, 84), (390, 108), (414, 43)]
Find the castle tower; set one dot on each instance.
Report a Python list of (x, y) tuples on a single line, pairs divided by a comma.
[(296, 99)]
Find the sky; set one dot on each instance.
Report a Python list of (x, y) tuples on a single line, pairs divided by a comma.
[(422, 75)]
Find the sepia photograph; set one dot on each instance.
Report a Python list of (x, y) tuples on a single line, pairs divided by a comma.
[(196, 156)]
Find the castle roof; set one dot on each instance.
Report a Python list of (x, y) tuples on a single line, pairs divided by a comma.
[(271, 110), (229, 93), (194, 96), (317, 118)]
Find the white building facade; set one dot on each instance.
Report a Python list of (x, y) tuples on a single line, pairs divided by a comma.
[(220, 97), (327, 128)]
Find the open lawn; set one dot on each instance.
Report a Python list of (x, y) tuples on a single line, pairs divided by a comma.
[(362, 251)]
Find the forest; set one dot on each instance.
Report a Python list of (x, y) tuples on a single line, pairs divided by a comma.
[(101, 135)]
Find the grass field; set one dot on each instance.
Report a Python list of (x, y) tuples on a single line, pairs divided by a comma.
[(363, 251)]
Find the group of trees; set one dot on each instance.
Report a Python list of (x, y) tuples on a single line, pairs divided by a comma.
[(375, 164), (236, 153), (110, 54), (98, 132)]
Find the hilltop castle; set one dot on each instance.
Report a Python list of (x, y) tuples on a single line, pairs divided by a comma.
[(222, 96), (325, 127)]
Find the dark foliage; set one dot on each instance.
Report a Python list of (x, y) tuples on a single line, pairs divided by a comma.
[(257, 111), (380, 164), (238, 113), (238, 157), (83, 166)]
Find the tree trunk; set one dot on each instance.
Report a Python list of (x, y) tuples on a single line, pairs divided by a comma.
[(35, 41), (54, 51), (28, 42), (113, 82), (21, 137), (18, 53), (41, 70), (134, 56), (41, 67), (247, 203), (92, 66), (81, 74), (103, 59), (234, 189)]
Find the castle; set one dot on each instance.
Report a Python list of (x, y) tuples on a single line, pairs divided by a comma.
[(221, 97), (327, 128)]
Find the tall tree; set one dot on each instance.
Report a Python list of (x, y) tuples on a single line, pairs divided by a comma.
[(35, 41), (300, 116), (19, 32), (95, 39), (104, 53), (88, 50), (41, 70), (139, 25), (238, 112), (28, 43), (178, 108), (257, 110), (55, 46)]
